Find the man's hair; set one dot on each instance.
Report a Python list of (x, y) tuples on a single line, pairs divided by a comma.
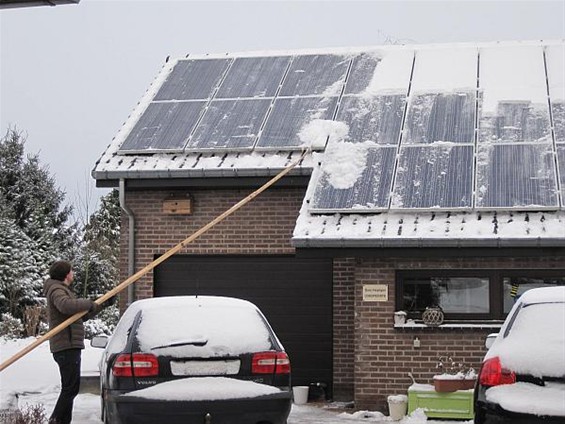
[(59, 270)]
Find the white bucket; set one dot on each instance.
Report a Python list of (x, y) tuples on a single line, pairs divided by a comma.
[(300, 394), (397, 406)]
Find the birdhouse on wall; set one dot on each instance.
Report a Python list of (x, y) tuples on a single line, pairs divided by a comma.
[(178, 205)]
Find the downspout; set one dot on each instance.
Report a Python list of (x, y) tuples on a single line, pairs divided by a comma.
[(131, 239)]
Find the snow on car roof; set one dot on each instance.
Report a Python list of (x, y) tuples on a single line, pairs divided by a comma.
[(532, 339), (544, 294)]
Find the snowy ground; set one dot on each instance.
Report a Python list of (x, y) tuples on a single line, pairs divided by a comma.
[(35, 377)]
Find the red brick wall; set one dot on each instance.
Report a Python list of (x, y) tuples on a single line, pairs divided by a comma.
[(344, 327), (263, 226), (384, 355)]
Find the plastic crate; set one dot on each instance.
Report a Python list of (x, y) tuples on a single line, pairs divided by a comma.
[(454, 405)]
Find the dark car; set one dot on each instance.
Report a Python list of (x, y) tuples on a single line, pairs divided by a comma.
[(522, 378), (194, 359)]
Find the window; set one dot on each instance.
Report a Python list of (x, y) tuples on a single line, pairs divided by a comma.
[(469, 294)]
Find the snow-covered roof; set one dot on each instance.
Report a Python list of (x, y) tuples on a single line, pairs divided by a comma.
[(385, 172), (431, 229)]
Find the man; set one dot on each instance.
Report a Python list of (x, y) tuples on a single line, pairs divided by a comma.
[(66, 346)]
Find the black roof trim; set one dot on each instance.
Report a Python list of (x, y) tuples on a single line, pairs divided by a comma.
[(217, 182), (437, 252)]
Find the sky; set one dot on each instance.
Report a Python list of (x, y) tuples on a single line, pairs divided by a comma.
[(70, 75)]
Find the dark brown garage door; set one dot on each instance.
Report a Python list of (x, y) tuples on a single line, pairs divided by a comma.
[(294, 294)]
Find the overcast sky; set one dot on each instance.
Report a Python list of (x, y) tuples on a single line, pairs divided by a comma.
[(70, 75)]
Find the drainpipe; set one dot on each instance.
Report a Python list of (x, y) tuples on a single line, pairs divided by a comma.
[(131, 239)]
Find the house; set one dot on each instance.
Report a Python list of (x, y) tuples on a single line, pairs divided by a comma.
[(435, 176)]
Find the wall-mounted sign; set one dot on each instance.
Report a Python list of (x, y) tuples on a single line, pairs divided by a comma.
[(375, 293)]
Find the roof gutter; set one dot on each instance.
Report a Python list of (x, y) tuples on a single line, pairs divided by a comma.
[(426, 243), (131, 239)]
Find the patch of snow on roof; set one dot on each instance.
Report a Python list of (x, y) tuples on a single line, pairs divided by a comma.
[(316, 132), (344, 163), (204, 388), (392, 73), (433, 73)]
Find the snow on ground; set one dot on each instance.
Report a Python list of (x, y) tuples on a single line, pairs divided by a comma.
[(36, 379)]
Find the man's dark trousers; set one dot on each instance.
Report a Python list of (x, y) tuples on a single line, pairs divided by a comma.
[(69, 368)]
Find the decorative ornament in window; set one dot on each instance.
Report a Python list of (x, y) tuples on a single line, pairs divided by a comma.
[(432, 316)]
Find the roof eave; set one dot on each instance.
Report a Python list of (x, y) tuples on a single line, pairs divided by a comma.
[(426, 243)]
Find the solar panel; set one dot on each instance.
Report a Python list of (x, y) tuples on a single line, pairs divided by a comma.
[(193, 79), (434, 176), (440, 117), (289, 116), (561, 160), (254, 77), (514, 105), (230, 124), (361, 74), (355, 182), (458, 70), (315, 75), (516, 175), (163, 126), (377, 118), (555, 59)]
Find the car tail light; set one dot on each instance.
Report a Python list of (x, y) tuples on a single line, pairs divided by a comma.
[(136, 365), (270, 363), (492, 373)]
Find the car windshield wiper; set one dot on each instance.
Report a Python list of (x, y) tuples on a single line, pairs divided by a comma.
[(198, 343)]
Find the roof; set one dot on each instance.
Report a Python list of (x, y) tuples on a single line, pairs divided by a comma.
[(410, 148), (6, 4)]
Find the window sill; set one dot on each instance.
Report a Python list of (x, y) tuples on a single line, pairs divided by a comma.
[(495, 324)]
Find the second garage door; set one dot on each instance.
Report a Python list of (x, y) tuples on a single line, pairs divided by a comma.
[(294, 294)]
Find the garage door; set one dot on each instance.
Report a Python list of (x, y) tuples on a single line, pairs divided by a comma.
[(294, 294)]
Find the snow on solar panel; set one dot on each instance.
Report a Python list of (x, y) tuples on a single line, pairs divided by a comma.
[(315, 75), (377, 118), (555, 60), (289, 116), (434, 176), (516, 176), (254, 77), (355, 177), (163, 127), (514, 105), (440, 117), (230, 124), (193, 79), (361, 73), (561, 160)]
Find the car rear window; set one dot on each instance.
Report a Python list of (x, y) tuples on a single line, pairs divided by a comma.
[(535, 340), (205, 331)]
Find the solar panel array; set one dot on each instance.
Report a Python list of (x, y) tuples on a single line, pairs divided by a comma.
[(239, 104), (469, 128), (435, 127)]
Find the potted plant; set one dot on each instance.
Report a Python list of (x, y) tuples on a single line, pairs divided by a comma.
[(454, 375)]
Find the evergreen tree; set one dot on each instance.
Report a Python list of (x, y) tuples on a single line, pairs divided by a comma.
[(20, 279), (34, 230), (96, 264)]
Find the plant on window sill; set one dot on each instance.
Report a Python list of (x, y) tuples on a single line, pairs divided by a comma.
[(453, 376)]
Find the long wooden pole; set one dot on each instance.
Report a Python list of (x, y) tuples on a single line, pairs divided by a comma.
[(132, 279)]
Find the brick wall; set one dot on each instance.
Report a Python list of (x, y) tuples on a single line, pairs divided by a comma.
[(263, 226), (343, 327), (384, 355)]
